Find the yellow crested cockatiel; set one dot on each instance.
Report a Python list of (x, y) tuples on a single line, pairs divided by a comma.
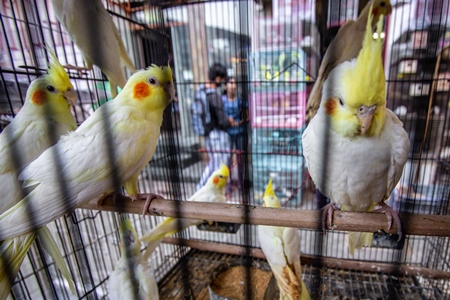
[(212, 191), (44, 117), (133, 277), (92, 29), (109, 149), (355, 147), (281, 246), (345, 46)]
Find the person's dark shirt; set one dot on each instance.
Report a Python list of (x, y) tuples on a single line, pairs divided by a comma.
[(219, 119)]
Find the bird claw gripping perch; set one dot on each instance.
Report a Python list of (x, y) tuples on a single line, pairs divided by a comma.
[(149, 197), (391, 215), (328, 215)]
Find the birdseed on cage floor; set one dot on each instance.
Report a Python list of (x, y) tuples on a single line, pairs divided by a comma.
[(322, 283)]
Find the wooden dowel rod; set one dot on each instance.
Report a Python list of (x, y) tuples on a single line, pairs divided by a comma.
[(365, 266), (424, 225)]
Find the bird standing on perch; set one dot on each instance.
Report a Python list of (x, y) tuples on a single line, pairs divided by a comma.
[(92, 29), (109, 149), (44, 117), (212, 191), (281, 246), (355, 147)]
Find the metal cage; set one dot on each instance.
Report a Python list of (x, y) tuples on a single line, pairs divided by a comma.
[(273, 49)]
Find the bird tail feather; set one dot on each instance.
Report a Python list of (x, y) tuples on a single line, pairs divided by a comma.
[(357, 240), (12, 254), (50, 246)]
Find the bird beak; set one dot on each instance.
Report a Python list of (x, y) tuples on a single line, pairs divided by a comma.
[(170, 89), (70, 96), (365, 115)]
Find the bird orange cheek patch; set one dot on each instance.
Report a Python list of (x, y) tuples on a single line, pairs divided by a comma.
[(141, 90), (330, 106), (39, 97), (216, 180)]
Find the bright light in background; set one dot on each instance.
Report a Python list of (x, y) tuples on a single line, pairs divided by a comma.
[(375, 35)]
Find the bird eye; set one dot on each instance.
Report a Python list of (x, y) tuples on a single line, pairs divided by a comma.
[(152, 81), (382, 4), (220, 176), (341, 102), (50, 88)]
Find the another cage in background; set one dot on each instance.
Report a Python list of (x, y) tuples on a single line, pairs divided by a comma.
[(273, 48)]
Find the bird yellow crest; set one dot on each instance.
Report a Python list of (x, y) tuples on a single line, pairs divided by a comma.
[(224, 171), (164, 73), (367, 75), (269, 198), (56, 72), (269, 189), (364, 80)]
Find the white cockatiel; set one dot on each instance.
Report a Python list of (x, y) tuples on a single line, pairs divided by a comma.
[(212, 191), (92, 29), (109, 149), (133, 277), (355, 147), (44, 117), (281, 246)]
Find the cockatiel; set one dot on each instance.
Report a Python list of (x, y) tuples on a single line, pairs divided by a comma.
[(91, 27), (109, 149), (345, 46), (44, 117), (355, 147), (281, 246), (131, 267), (212, 191)]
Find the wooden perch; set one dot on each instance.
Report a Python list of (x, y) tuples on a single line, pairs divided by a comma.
[(424, 225)]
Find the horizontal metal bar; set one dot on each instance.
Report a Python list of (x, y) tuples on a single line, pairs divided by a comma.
[(423, 225), (365, 266)]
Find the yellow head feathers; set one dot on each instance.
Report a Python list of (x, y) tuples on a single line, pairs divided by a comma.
[(149, 90), (367, 75), (270, 199), (219, 177), (354, 94), (56, 73)]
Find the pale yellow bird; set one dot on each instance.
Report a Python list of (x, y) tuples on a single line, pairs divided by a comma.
[(355, 147), (109, 149), (281, 246), (133, 277), (92, 29), (212, 191), (44, 117), (344, 47)]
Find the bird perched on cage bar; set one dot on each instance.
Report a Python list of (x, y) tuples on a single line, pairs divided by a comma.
[(281, 246), (92, 29), (109, 149), (355, 147), (345, 46), (44, 117), (212, 191), (133, 277)]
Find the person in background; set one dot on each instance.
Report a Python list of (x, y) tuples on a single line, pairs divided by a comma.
[(217, 140), (237, 113)]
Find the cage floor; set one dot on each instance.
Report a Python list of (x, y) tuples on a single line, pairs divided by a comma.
[(323, 283)]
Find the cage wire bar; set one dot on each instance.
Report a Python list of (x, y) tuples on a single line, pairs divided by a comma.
[(273, 49)]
